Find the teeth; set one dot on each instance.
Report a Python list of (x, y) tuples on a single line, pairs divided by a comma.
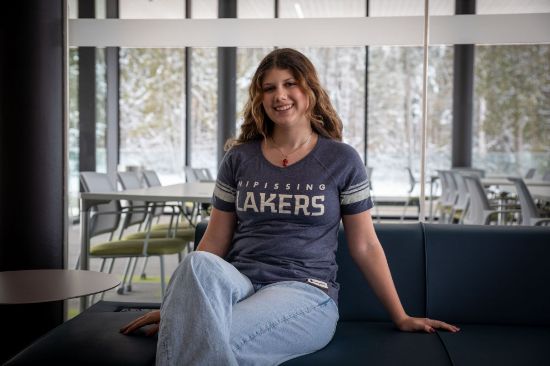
[(283, 108)]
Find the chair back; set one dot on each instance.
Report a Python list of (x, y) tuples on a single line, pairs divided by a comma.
[(462, 191), (198, 174), (101, 183), (130, 180), (452, 190), (530, 173), (151, 178), (203, 174), (412, 179), (527, 204), (478, 201), (369, 174), (444, 186), (190, 174)]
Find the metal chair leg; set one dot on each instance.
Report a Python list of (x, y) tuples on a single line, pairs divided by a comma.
[(111, 266), (101, 268), (129, 285), (143, 274), (120, 289)]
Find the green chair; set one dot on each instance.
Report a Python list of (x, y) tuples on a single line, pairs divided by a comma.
[(107, 217), (183, 230)]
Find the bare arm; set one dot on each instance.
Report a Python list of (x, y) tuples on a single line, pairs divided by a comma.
[(368, 254), (219, 233)]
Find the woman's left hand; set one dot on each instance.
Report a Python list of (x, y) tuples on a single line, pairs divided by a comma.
[(410, 324), (152, 317)]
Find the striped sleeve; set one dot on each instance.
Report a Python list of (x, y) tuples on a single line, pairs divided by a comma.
[(355, 194), (225, 190)]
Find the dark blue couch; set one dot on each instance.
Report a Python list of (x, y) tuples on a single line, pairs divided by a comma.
[(493, 282)]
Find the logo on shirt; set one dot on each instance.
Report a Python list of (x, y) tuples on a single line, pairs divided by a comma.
[(303, 201)]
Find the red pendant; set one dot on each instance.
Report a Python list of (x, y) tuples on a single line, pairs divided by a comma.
[(285, 162)]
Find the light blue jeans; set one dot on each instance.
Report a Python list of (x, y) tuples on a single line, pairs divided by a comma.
[(213, 315)]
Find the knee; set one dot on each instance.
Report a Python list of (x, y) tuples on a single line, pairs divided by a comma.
[(199, 261), (200, 257)]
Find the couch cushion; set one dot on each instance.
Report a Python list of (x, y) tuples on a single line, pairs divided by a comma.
[(91, 338), (371, 343), (498, 345), (488, 274), (404, 248)]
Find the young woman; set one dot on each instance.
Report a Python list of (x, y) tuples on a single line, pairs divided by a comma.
[(261, 287)]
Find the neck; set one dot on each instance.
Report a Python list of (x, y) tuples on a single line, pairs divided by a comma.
[(291, 139)]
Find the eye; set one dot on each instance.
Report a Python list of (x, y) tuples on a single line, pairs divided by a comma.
[(290, 83), (267, 89)]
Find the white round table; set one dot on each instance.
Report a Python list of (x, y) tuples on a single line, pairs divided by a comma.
[(43, 285)]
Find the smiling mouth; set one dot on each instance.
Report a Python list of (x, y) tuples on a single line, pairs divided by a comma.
[(283, 108)]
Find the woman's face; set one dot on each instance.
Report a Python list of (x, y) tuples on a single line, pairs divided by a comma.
[(283, 100)]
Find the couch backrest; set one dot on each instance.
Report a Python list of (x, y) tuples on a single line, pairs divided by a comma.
[(404, 248), (457, 273), (488, 274)]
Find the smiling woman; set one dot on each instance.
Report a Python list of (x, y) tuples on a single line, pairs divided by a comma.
[(267, 257)]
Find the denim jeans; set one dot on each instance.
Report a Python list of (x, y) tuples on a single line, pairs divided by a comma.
[(213, 315)]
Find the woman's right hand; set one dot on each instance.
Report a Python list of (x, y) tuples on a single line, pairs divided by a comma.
[(152, 317)]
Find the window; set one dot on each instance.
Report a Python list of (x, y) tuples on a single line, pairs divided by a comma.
[(512, 95), (511, 110), (152, 111), (395, 114), (204, 98), (204, 108), (395, 104)]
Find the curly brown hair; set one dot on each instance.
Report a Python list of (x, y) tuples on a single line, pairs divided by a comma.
[(321, 113)]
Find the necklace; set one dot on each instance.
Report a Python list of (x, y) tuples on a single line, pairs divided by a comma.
[(285, 156)]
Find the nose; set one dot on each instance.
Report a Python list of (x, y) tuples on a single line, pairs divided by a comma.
[(280, 93)]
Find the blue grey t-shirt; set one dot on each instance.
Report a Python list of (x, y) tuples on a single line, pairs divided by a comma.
[(288, 218)]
